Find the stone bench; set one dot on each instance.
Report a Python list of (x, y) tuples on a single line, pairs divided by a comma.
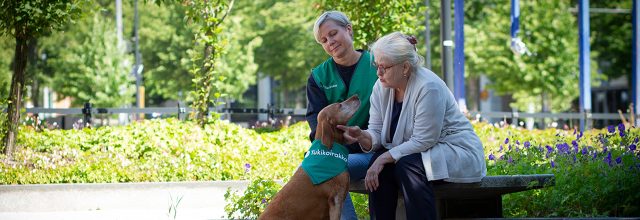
[(475, 200)]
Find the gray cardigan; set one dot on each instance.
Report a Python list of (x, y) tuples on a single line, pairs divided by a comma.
[(431, 123)]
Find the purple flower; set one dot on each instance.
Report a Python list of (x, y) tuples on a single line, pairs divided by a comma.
[(635, 141), (510, 159), (506, 141), (264, 201), (632, 147), (595, 155), (500, 150), (574, 131), (562, 148), (247, 167), (585, 151), (574, 158), (549, 149), (619, 160), (509, 147), (491, 157), (575, 146), (603, 140), (607, 159), (605, 149), (621, 127), (517, 142), (502, 157), (517, 149), (553, 164), (527, 144), (611, 129), (579, 135)]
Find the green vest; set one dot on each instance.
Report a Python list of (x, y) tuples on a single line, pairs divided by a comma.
[(322, 164), (364, 77)]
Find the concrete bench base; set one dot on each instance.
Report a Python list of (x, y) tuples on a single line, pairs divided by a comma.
[(475, 200)]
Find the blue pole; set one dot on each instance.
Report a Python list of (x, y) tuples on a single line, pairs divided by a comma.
[(515, 18), (635, 50), (458, 57), (585, 68)]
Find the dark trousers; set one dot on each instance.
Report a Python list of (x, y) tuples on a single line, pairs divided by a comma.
[(408, 176)]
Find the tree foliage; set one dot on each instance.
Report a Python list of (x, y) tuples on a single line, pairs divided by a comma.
[(26, 20), (208, 19), (168, 43), (7, 45), (94, 69), (287, 49), (549, 31), (165, 38), (373, 19), (611, 38)]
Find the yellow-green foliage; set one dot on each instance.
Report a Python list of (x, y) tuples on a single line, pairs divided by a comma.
[(596, 172), (154, 150)]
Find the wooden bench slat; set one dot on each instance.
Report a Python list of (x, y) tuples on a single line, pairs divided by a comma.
[(493, 185)]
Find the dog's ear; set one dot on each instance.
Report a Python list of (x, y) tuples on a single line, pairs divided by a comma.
[(326, 127)]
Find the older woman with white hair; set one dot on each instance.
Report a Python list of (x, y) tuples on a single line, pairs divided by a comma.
[(417, 132)]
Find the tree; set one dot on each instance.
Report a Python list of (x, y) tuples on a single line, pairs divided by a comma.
[(6, 44), (549, 73), (26, 20), (611, 38), (373, 19), (165, 38), (208, 18), (94, 70), (288, 50)]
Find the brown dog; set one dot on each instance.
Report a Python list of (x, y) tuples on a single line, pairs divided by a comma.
[(300, 198)]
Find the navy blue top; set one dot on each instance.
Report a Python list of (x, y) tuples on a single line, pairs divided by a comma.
[(395, 115)]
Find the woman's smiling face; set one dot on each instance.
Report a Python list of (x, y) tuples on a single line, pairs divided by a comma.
[(335, 39)]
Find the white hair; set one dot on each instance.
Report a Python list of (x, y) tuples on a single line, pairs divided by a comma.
[(336, 16), (396, 48)]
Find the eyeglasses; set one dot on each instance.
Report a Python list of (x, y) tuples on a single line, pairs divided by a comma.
[(383, 70)]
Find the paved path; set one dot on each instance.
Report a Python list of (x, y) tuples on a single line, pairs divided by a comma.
[(115, 201)]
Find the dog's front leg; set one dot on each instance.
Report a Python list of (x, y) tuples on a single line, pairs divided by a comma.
[(335, 206)]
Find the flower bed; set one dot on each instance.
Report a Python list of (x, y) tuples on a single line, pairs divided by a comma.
[(597, 171)]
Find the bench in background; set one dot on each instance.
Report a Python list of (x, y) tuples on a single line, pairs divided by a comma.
[(475, 200)]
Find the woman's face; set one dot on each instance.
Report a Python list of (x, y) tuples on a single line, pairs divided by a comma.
[(391, 75), (335, 39)]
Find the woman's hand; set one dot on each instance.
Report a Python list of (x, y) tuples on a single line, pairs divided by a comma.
[(371, 182), (351, 134)]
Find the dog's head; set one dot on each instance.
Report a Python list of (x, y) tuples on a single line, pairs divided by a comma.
[(333, 115)]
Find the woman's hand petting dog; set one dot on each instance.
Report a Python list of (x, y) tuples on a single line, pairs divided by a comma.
[(353, 134)]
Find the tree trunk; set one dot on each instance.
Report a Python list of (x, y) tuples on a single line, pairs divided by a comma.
[(15, 95), (205, 91)]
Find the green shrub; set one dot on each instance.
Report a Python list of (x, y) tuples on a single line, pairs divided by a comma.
[(153, 151), (253, 201), (598, 178), (596, 172)]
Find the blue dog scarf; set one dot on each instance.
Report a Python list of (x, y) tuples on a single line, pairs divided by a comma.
[(322, 164)]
